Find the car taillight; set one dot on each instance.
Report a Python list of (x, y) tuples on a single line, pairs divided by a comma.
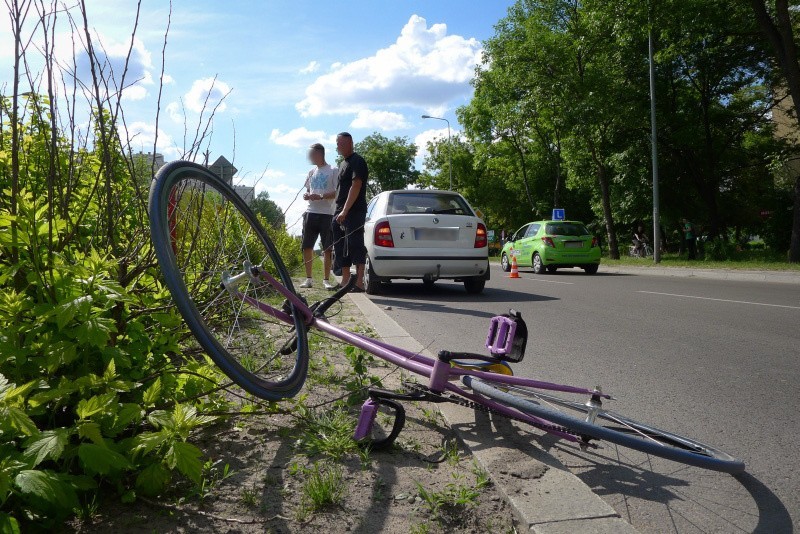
[(383, 235), (595, 242), (548, 241), (480, 236)]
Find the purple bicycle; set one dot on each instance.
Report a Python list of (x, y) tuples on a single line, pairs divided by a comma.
[(233, 290)]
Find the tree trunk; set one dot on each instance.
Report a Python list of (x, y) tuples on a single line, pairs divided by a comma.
[(613, 246), (794, 247), (780, 34)]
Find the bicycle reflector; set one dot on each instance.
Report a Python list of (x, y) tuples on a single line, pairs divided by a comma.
[(508, 336)]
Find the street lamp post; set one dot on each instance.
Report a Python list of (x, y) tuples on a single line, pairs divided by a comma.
[(654, 148), (449, 147)]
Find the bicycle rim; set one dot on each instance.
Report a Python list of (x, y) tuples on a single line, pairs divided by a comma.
[(202, 231), (608, 426)]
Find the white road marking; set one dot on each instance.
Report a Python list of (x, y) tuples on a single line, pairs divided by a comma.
[(549, 281), (721, 300)]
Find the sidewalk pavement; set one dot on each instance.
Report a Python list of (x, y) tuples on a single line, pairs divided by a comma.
[(545, 496), (742, 275)]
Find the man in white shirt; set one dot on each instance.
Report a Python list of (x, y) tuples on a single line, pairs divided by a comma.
[(321, 185)]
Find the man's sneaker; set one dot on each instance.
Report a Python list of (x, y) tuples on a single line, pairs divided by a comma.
[(308, 283), (327, 285)]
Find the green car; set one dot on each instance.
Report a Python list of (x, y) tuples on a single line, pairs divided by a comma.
[(551, 245)]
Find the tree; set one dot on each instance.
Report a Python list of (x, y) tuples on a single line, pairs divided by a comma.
[(267, 208), (779, 28), (390, 161)]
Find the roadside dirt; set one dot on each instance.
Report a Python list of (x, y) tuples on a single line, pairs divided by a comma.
[(273, 472)]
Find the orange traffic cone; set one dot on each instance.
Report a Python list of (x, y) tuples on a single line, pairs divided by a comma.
[(514, 269)]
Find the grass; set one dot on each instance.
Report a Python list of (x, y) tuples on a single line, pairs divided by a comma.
[(455, 496), (747, 260), (323, 487), (327, 432), (755, 260)]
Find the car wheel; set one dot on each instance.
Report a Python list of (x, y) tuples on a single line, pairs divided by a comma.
[(536, 262), (504, 263), (474, 285), (372, 284), (551, 268), (591, 269)]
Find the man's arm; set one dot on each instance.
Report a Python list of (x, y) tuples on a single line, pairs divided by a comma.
[(352, 195)]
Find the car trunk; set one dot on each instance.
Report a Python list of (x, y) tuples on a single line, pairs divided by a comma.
[(420, 231), (570, 243)]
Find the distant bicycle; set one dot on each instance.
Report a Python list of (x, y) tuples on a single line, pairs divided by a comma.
[(644, 251)]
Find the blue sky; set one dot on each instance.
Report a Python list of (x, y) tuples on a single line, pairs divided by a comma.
[(295, 72)]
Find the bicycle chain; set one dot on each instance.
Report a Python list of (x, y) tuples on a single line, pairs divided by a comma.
[(419, 388)]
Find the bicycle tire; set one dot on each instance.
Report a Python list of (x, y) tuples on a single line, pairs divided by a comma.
[(202, 229), (624, 431)]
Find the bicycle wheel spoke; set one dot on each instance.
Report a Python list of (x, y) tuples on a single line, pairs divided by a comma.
[(202, 230)]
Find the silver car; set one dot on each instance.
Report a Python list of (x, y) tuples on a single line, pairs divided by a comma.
[(427, 235)]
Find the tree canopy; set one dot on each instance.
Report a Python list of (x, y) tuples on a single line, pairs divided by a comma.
[(267, 208), (390, 161)]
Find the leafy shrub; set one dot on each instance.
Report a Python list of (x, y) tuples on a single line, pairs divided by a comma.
[(93, 393), (719, 249)]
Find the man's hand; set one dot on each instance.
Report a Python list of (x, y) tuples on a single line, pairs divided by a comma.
[(341, 217)]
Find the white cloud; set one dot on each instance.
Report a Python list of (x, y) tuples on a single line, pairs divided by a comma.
[(134, 92), (142, 135), (310, 68), (207, 92), (280, 189), (427, 136), (383, 120), (424, 68), (168, 80), (301, 138), (175, 112), (273, 174), (110, 62)]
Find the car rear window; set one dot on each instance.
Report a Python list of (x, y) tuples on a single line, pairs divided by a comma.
[(566, 228), (424, 202)]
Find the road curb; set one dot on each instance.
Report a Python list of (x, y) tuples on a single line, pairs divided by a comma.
[(782, 277), (545, 496)]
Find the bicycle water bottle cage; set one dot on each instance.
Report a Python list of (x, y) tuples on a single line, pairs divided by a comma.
[(507, 337)]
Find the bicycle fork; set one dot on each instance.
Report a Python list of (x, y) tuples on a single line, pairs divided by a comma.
[(593, 407)]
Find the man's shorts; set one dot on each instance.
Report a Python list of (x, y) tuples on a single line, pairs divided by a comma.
[(317, 225), (348, 242)]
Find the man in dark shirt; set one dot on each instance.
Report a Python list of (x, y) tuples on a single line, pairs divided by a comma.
[(351, 212)]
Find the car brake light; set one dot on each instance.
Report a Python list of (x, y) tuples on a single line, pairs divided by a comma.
[(383, 235), (480, 236), (548, 241), (595, 242)]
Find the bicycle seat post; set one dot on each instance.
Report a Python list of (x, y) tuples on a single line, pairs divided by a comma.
[(440, 372)]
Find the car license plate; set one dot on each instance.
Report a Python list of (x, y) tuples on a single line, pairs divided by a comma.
[(436, 234), (573, 244)]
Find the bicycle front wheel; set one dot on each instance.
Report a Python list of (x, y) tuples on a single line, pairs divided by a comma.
[(204, 233), (606, 425)]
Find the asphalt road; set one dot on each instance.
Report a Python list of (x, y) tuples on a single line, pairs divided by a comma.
[(718, 361)]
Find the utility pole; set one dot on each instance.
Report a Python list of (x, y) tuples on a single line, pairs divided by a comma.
[(654, 146)]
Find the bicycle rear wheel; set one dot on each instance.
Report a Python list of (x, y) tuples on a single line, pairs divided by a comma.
[(203, 232), (608, 426)]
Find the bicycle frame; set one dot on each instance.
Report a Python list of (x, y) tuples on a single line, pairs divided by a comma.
[(439, 373)]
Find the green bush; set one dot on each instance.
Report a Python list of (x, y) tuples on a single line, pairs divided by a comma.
[(719, 249), (95, 394)]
